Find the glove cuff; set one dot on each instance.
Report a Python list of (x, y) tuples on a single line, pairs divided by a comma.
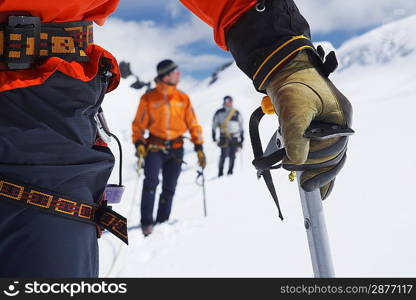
[(138, 143), (273, 41), (198, 147)]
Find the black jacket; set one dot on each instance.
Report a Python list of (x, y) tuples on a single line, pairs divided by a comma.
[(261, 42)]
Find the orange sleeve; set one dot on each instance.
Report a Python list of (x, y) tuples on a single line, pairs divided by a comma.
[(219, 14), (63, 10), (194, 127), (141, 121), (10, 80)]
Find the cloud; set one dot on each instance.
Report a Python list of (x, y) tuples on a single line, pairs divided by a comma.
[(325, 16), (146, 43), (173, 8), (165, 29), (143, 4)]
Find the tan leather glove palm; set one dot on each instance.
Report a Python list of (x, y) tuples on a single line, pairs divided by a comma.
[(300, 95), (202, 161), (141, 151)]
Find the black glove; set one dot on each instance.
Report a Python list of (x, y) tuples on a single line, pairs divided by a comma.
[(202, 161), (240, 143), (140, 149), (214, 138)]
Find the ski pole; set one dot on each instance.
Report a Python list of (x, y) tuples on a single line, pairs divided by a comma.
[(314, 221), (201, 174), (314, 218), (204, 194)]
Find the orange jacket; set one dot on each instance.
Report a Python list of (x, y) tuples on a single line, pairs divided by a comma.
[(167, 113), (219, 14), (60, 11)]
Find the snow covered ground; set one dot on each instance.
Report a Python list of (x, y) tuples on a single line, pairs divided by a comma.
[(370, 215)]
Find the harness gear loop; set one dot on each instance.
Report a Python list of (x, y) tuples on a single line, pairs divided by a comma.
[(155, 144)]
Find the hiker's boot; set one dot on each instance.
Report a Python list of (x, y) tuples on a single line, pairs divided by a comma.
[(147, 229)]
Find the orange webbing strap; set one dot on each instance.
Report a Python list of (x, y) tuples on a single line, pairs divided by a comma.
[(24, 40), (54, 203)]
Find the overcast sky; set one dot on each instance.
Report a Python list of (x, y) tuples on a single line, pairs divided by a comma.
[(172, 31)]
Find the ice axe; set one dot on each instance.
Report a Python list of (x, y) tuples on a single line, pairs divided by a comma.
[(314, 218), (139, 165)]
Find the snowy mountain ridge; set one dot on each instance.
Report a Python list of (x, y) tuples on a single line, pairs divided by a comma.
[(381, 45)]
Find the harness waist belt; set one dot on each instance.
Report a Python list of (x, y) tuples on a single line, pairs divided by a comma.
[(24, 40), (166, 143), (53, 203)]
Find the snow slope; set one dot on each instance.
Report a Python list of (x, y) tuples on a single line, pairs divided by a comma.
[(381, 45), (370, 215)]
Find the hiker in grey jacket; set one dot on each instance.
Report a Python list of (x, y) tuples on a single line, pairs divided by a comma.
[(230, 123)]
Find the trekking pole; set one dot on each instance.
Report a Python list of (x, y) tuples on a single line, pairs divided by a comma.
[(139, 166), (314, 221), (314, 218), (201, 174)]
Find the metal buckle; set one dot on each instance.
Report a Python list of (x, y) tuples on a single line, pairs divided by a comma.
[(23, 25), (103, 130)]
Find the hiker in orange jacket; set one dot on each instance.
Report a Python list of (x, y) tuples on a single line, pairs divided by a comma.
[(52, 172), (166, 113)]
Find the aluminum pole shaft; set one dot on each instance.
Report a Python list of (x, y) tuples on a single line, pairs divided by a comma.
[(315, 226)]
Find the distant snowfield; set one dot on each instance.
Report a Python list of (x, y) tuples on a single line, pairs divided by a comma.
[(370, 215)]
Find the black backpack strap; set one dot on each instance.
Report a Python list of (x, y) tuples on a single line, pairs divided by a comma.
[(264, 164)]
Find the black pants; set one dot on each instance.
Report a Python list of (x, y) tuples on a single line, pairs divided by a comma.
[(170, 163), (228, 149), (47, 135)]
